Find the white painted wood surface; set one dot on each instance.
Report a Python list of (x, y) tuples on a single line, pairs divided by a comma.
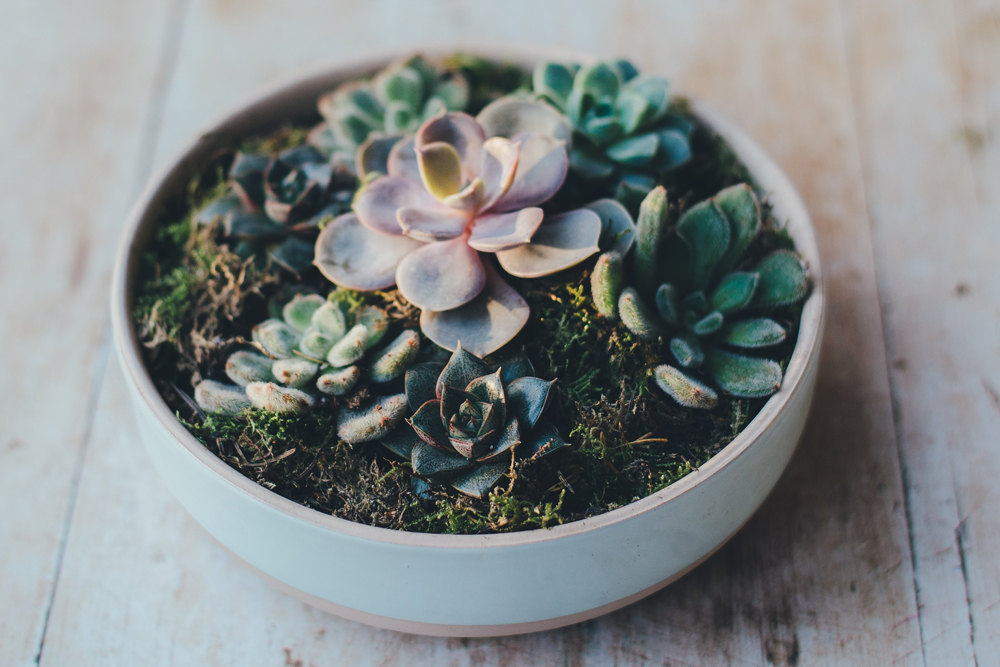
[(878, 546)]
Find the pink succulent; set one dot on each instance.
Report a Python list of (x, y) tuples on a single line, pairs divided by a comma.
[(461, 188)]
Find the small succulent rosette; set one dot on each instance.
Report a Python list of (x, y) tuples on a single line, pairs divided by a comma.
[(622, 124), (711, 306), (364, 119), (469, 420), (463, 189)]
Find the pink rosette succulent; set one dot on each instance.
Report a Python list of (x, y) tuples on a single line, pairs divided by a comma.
[(460, 189)]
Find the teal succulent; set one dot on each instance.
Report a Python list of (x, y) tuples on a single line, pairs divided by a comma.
[(373, 115), (693, 288), (622, 123), (319, 346), (273, 206)]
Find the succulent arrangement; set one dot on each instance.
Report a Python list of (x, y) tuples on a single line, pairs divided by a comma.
[(707, 300), (623, 128)]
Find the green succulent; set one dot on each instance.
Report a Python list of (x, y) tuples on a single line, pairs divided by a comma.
[(373, 115), (711, 307), (273, 206), (622, 125), (318, 346)]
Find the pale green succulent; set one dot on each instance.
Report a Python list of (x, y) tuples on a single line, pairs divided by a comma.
[(373, 115), (622, 124), (319, 346), (709, 305)]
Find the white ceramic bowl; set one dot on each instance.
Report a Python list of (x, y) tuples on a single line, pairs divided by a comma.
[(442, 584)]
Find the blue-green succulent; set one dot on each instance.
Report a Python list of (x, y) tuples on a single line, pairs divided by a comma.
[(692, 286), (623, 127)]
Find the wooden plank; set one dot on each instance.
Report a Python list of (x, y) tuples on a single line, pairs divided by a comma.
[(76, 80), (929, 150), (822, 575)]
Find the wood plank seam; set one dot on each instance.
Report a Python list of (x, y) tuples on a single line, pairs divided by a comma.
[(144, 162)]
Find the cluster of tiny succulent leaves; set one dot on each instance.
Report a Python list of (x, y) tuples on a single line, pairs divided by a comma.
[(468, 421), (622, 124), (707, 302), (319, 345), (364, 119)]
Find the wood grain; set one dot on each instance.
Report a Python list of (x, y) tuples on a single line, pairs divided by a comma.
[(75, 84)]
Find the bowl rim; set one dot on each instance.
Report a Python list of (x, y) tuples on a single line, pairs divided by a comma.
[(143, 217)]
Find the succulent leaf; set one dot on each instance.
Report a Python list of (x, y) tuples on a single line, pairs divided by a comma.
[(349, 349), (590, 167), (399, 354), (377, 203), (375, 320), (687, 350), (329, 319), (554, 81), (428, 224), (708, 324), (431, 461), (637, 317), (402, 161), (666, 304), (746, 377), (353, 256), (632, 189), (542, 164), (440, 168), (675, 149), (509, 438), (503, 231), (372, 422), (421, 383), (514, 367), (462, 133), (635, 151), (373, 155), (244, 367), (527, 398), (757, 332), (461, 369), (427, 424), (293, 254), (685, 390), (617, 229), (706, 231), (295, 372), (212, 396), (243, 224), (606, 284), (561, 241), (400, 441), (299, 311), (695, 302), (276, 338), (783, 280), (218, 209), (734, 292), (510, 116), (542, 440), (650, 229), (481, 479), (742, 209), (275, 398), (441, 276), (489, 389), (338, 381)]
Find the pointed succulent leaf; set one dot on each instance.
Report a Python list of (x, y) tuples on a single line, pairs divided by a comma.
[(734, 292), (542, 163), (599, 80), (527, 398), (500, 160), (757, 332), (461, 369), (472, 447), (351, 255), (420, 382), (218, 209), (427, 424), (590, 167), (603, 130), (650, 228), (430, 461), (371, 422), (440, 169), (329, 319), (349, 349), (494, 232), (675, 150), (606, 284), (212, 396), (633, 109), (746, 377), (293, 254), (452, 400), (783, 280), (489, 389), (338, 381), (244, 367), (373, 156), (632, 189), (441, 276), (554, 80), (480, 480), (706, 231), (252, 225), (488, 322), (542, 440), (275, 398), (561, 241), (637, 316), (510, 116), (742, 209), (276, 338), (295, 372), (654, 90), (462, 133), (299, 311), (399, 354), (685, 390), (617, 228), (695, 302), (514, 367), (509, 439), (635, 151), (708, 324), (375, 320), (687, 350), (666, 304), (400, 441)]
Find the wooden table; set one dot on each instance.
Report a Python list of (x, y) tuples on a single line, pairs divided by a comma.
[(880, 544)]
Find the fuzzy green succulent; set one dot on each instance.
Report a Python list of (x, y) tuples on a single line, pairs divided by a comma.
[(319, 345), (364, 119), (273, 206), (711, 307), (469, 419), (622, 124)]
